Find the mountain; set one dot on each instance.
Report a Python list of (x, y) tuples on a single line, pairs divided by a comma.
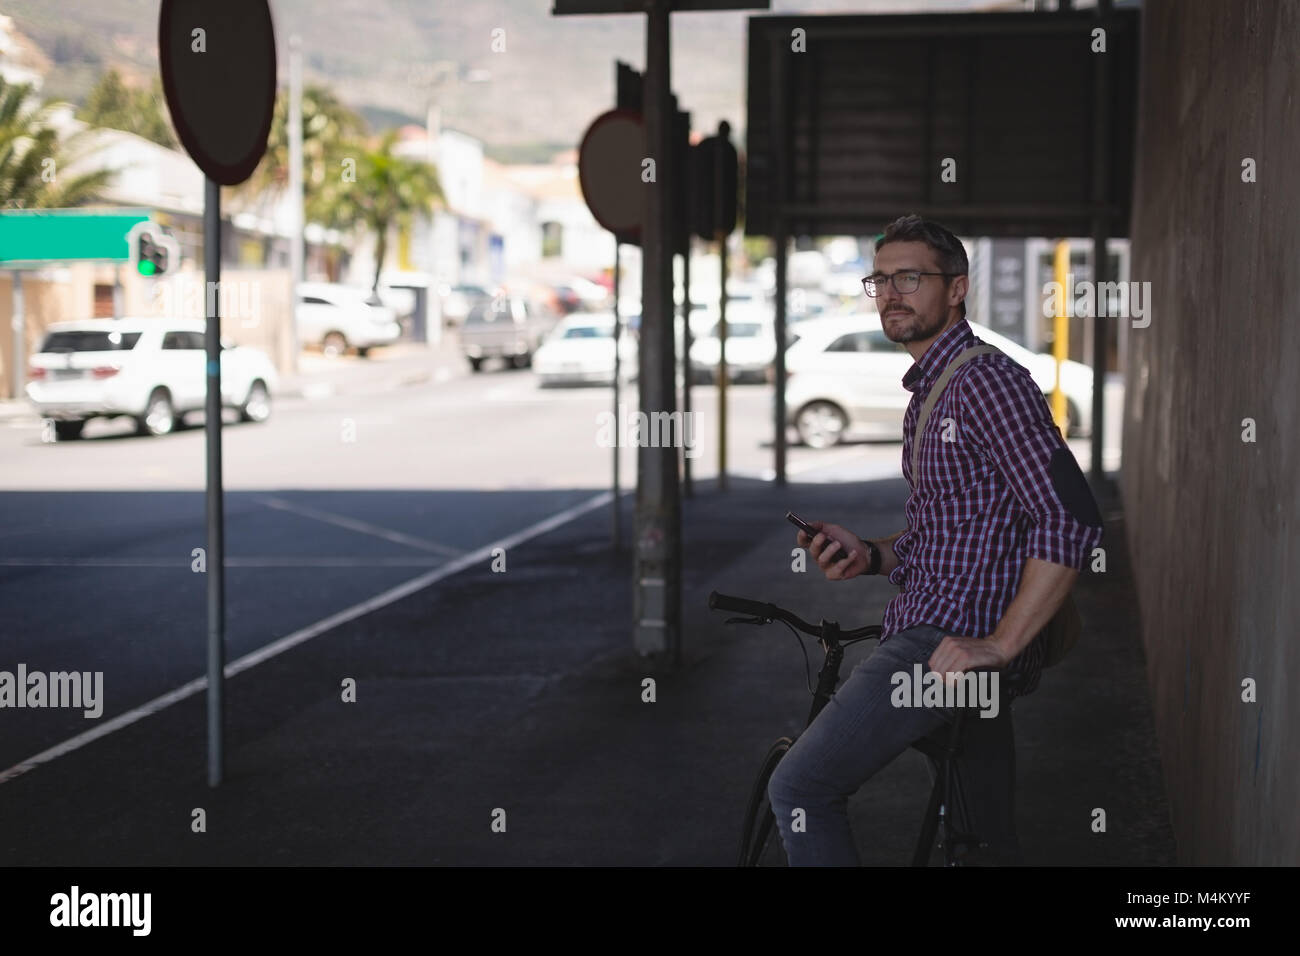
[(549, 77)]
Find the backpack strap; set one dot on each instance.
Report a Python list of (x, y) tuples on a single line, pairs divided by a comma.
[(935, 391)]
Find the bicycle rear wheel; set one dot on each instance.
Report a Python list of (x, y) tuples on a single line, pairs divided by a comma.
[(760, 843)]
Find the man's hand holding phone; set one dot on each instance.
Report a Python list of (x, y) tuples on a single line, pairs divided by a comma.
[(838, 552)]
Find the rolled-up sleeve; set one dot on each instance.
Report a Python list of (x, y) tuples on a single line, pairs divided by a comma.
[(1006, 416)]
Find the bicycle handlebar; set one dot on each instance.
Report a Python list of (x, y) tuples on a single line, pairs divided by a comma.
[(725, 602), (771, 612)]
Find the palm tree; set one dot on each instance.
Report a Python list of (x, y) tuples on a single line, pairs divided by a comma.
[(326, 125), (114, 105), (33, 157), (374, 189)]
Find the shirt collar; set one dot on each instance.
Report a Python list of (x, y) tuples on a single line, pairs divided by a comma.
[(942, 350)]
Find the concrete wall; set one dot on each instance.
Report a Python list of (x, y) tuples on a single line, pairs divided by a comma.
[(1214, 522)]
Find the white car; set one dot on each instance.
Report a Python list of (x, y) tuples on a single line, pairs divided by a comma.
[(581, 350), (751, 349), (846, 374), (153, 370), (339, 317)]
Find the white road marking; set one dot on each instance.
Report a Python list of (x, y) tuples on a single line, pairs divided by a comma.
[(305, 634), (260, 562), (353, 524)]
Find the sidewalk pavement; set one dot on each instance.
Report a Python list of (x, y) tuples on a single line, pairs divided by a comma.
[(585, 771)]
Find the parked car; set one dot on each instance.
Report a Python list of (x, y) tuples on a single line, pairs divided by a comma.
[(579, 294), (152, 370), (581, 350), (507, 327), (751, 347), (339, 317), (457, 300), (846, 374), (844, 280)]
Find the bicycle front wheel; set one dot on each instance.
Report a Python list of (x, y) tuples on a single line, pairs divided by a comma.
[(760, 843)]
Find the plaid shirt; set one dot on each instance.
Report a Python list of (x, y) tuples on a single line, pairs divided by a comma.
[(983, 500)]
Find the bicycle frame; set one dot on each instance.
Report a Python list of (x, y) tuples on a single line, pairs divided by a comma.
[(941, 805), (829, 676)]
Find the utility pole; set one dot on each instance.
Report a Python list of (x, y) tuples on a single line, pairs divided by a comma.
[(657, 554), (297, 219), (657, 605)]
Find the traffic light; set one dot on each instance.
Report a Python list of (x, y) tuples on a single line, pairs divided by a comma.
[(152, 252), (150, 257)]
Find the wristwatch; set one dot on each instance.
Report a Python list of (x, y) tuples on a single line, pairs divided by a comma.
[(873, 564)]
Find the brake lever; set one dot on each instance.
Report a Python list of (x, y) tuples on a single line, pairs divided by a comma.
[(748, 620)]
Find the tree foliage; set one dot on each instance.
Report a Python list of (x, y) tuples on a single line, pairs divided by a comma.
[(114, 105), (372, 189), (34, 158)]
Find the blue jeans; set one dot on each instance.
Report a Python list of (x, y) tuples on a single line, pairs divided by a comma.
[(860, 731)]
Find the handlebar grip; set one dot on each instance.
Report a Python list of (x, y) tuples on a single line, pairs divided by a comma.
[(726, 602)]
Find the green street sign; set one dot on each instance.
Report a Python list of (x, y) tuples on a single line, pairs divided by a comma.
[(59, 235)]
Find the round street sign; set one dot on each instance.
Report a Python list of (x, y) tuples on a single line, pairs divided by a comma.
[(218, 74), (609, 170)]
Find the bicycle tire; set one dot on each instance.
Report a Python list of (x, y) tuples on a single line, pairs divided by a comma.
[(760, 843)]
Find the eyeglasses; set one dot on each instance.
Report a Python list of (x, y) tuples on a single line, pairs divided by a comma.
[(905, 283)]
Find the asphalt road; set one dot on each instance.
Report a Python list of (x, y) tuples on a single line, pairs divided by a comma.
[(376, 474), (381, 473)]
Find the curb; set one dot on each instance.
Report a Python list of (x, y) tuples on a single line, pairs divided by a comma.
[(17, 410)]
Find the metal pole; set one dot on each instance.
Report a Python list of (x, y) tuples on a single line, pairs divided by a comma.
[(118, 311), (433, 130), (722, 344), (1060, 328), (1100, 337), (617, 540), (18, 325), (216, 523), (777, 152), (296, 213), (779, 238), (657, 605), (1100, 226), (688, 488)]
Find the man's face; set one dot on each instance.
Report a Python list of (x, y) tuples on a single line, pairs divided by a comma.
[(922, 314)]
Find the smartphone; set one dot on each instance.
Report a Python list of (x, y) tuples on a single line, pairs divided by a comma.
[(802, 525), (812, 532)]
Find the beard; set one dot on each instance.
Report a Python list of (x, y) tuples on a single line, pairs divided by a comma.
[(910, 327)]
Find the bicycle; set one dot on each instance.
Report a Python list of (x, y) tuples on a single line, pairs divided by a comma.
[(759, 843)]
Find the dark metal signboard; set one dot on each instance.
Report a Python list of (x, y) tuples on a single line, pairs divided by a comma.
[(987, 122), (570, 7), (610, 161), (1007, 288), (218, 73)]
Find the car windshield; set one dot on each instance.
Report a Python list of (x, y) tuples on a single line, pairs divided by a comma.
[(589, 332), (90, 341)]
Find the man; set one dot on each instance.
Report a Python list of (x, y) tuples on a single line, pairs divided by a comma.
[(999, 523)]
